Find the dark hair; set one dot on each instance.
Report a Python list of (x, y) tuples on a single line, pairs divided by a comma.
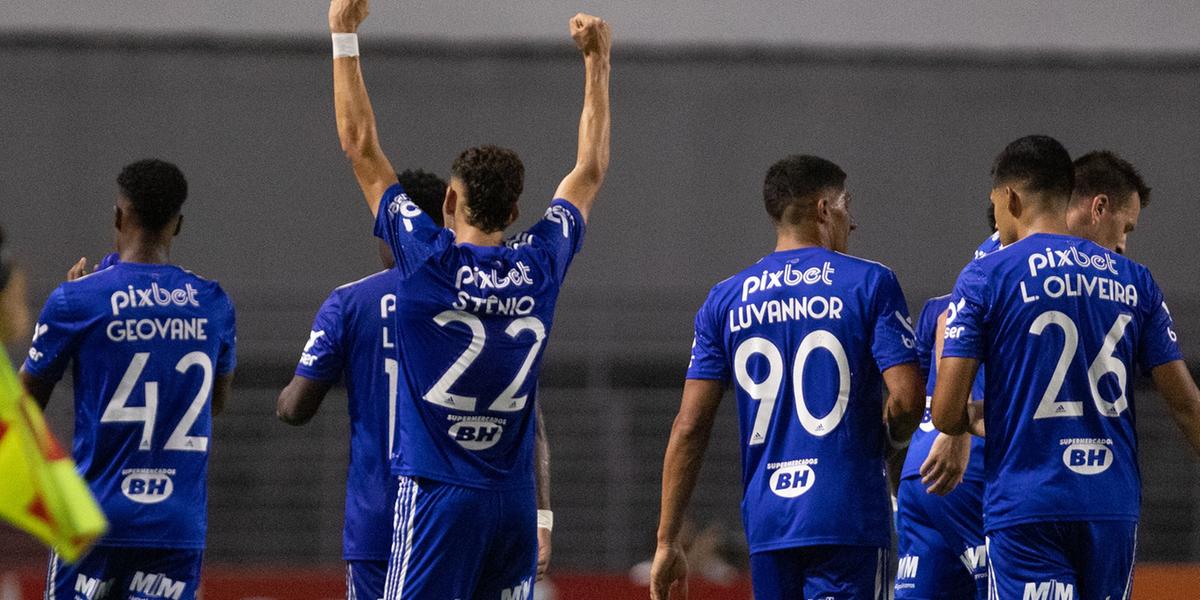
[(494, 178), (155, 189), (1039, 162), (795, 182), (1103, 172), (426, 190)]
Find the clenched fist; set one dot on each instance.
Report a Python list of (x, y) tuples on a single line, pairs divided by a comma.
[(591, 34), (346, 15)]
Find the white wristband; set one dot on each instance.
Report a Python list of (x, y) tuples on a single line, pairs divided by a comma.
[(546, 520), (345, 45)]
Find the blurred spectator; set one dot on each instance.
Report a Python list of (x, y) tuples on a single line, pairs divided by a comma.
[(14, 310)]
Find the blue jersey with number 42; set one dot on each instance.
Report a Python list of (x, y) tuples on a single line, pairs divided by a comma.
[(471, 338), (1063, 326), (146, 342), (804, 335), (354, 336)]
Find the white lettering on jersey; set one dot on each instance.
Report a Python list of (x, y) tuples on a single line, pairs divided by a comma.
[(1071, 257), (138, 330), (787, 276), (152, 297)]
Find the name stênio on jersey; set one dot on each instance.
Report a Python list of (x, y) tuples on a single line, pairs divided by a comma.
[(480, 279)]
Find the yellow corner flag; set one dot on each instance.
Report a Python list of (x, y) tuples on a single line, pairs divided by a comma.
[(40, 492)]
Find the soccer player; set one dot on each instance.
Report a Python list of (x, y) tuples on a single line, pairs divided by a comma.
[(471, 334), (353, 336), (1062, 325), (804, 334), (937, 534), (152, 347)]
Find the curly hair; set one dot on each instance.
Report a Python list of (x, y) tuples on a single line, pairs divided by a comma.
[(494, 178), (156, 190), (426, 190)]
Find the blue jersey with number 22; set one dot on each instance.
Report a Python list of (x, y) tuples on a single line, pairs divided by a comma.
[(147, 341), (471, 336), (1063, 326), (804, 335)]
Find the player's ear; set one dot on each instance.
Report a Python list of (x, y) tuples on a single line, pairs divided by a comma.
[(513, 214), (1013, 200), (117, 216), (1100, 204), (178, 226), (821, 209), (450, 203)]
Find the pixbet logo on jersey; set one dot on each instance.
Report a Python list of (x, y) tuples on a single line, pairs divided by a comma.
[(151, 297), (787, 276), (147, 486), (1071, 257), (1086, 456)]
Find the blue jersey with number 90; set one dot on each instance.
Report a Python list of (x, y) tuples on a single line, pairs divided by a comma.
[(804, 335), (1062, 326), (470, 340), (147, 341)]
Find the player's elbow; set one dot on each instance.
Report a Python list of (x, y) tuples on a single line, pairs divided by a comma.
[(288, 411)]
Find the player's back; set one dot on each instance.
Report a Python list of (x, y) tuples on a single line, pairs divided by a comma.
[(1065, 326), (354, 337), (472, 323), (147, 342), (804, 335)]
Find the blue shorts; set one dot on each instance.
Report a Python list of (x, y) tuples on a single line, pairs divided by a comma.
[(940, 543), (821, 573), (364, 579), (456, 542), (1063, 560), (133, 573)]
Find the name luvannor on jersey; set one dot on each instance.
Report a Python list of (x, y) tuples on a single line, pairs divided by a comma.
[(783, 310)]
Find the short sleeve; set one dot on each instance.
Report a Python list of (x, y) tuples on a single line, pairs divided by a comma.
[(709, 359), (227, 354), (894, 341), (410, 233), (1159, 343), (322, 357), (965, 322), (926, 332), (55, 339), (559, 234)]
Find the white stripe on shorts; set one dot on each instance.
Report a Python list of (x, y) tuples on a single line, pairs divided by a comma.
[(402, 534)]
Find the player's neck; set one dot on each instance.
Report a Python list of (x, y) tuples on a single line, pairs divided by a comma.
[(793, 240), (149, 251), (466, 234), (1054, 223)]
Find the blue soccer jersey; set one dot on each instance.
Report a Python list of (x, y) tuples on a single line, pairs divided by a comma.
[(354, 336), (923, 437), (472, 332), (989, 245), (1063, 326), (146, 341), (804, 335)]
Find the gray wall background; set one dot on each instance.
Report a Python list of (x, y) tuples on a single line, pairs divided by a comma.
[(275, 216)]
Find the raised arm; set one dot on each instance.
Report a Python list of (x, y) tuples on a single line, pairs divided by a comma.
[(580, 186), (1175, 384), (355, 119)]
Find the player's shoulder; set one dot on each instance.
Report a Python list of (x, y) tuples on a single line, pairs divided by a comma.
[(864, 265), (935, 304), (367, 289)]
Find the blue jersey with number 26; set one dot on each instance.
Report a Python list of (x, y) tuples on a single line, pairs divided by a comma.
[(804, 335), (354, 336), (146, 341), (471, 336), (1063, 326)]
